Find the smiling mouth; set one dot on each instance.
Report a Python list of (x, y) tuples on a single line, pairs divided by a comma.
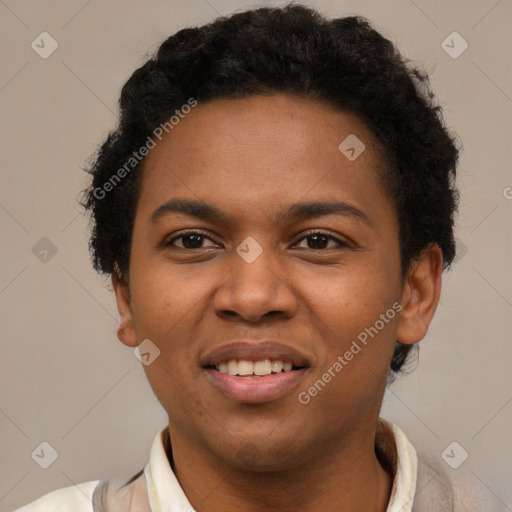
[(244, 385), (261, 368)]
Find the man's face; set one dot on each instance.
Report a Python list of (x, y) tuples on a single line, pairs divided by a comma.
[(261, 285)]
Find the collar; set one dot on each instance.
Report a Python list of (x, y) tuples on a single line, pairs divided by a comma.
[(166, 495), (392, 442)]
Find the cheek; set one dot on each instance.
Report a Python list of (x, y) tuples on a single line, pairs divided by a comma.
[(167, 309), (167, 312), (358, 345), (356, 313), (353, 298), (164, 299)]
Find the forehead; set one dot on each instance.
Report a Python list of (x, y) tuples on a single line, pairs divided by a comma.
[(259, 151)]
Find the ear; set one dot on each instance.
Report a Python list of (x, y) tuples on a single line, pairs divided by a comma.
[(125, 331), (420, 296)]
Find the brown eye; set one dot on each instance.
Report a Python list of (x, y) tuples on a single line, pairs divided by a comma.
[(320, 240), (190, 240)]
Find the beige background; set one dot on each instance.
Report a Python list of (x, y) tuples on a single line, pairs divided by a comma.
[(66, 380)]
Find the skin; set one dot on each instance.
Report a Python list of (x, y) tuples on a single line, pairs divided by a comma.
[(253, 158)]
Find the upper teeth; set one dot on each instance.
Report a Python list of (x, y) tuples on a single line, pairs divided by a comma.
[(244, 367)]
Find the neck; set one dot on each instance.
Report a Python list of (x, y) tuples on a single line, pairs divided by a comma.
[(347, 477)]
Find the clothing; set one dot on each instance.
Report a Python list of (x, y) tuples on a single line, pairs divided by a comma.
[(418, 485)]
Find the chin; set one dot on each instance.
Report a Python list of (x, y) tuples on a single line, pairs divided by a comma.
[(264, 457)]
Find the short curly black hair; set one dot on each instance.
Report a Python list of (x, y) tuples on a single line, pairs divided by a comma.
[(342, 62)]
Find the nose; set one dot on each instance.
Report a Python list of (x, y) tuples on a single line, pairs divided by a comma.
[(254, 289)]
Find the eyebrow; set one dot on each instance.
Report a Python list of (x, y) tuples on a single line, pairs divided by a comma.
[(297, 211)]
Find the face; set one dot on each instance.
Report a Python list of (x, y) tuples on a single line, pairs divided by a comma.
[(281, 252)]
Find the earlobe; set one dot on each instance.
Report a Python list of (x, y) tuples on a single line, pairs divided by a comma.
[(420, 296), (125, 330)]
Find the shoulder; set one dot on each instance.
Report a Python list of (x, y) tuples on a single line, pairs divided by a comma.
[(424, 482), (434, 486), (440, 488), (77, 498)]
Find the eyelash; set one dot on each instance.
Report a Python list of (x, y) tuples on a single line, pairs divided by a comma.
[(341, 243)]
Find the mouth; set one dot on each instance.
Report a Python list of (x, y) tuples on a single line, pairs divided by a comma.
[(255, 372), (261, 368)]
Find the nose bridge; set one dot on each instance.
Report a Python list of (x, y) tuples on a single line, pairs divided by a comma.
[(255, 284)]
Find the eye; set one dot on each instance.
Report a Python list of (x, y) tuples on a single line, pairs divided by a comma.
[(320, 240), (194, 239), (190, 240)]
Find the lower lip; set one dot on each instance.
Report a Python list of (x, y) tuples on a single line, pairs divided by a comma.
[(254, 390)]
